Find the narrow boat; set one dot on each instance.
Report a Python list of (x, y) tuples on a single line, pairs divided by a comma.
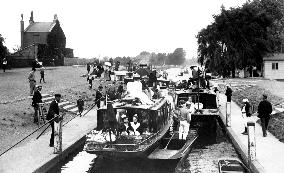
[(231, 165), (154, 118)]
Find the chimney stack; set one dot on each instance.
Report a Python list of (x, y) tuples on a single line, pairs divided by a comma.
[(22, 31), (55, 18), (31, 18)]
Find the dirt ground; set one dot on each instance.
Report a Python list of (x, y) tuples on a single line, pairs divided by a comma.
[(16, 112)]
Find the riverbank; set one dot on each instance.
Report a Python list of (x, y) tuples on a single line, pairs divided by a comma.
[(16, 114)]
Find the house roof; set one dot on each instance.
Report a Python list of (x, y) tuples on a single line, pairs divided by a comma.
[(275, 57), (40, 27)]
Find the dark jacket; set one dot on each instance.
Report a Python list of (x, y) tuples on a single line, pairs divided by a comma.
[(80, 103), (36, 98), (98, 96), (248, 109), (53, 109), (264, 109), (229, 94)]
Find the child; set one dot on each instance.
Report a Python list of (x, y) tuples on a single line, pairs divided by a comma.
[(42, 74), (80, 105)]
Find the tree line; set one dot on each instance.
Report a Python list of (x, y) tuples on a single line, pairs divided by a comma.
[(241, 37), (175, 58)]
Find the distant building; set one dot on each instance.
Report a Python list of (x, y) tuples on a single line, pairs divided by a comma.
[(273, 66), (34, 44)]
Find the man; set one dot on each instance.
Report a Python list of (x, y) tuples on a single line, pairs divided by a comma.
[(80, 105), (246, 112), (32, 81), (53, 112), (264, 111), (184, 120), (99, 95), (228, 93), (4, 64), (125, 128), (36, 100), (88, 68), (42, 74), (111, 91)]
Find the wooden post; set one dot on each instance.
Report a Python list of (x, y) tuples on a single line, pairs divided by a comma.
[(41, 111), (58, 137), (228, 114), (251, 142)]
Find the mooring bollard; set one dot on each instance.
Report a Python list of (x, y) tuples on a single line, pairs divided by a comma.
[(251, 142), (58, 136), (228, 114)]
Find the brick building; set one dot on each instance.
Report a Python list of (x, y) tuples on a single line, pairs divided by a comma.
[(35, 46)]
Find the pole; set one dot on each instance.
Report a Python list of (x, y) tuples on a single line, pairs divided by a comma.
[(228, 114), (251, 142)]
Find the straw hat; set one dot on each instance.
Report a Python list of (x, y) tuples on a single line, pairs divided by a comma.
[(245, 100)]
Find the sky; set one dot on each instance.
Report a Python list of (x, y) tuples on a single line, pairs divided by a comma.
[(98, 28)]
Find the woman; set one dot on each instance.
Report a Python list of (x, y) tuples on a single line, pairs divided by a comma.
[(136, 125)]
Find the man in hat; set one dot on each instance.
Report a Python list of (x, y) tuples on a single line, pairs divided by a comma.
[(184, 121), (32, 81), (228, 93), (52, 113), (246, 112), (37, 98), (264, 111), (99, 95), (125, 127)]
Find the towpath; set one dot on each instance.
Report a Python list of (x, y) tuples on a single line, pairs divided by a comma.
[(37, 156), (269, 150)]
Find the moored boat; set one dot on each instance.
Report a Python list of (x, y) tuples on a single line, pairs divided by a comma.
[(154, 118), (231, 165)]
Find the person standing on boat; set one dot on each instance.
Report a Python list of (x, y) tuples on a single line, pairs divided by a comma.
[(184, 120), (264, 111), (125, 127), (99, 95), (228, 93), (245, 114)]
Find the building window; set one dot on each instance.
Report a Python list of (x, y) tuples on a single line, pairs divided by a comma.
[(275, 66)]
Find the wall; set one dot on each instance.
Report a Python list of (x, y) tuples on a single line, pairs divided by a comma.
[(273, 74), (29, 38)]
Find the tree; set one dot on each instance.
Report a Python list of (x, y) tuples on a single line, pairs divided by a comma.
[(240, 37), (3, 49), (177, 57)]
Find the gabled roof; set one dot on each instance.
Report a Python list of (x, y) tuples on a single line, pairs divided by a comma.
[(40, 27), (275, 57)]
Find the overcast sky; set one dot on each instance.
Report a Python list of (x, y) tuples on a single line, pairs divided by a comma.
[(117, 27)]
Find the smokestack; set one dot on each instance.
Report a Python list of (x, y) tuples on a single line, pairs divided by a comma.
[(55, 18), (31, 18), (22, 31)]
